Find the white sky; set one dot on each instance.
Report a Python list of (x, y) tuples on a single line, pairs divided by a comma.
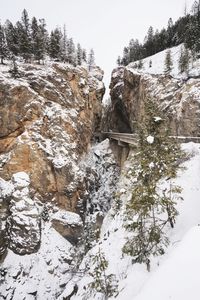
[(104, 25)]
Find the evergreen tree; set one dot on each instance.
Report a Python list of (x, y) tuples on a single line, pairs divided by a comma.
[(168, 62), (170, 33), (39, 38), (25, 36), (103, 283), (3, 45), (151, 207), (55, 44), (84, 55), (64, 53), (12, 38), (14, 71), (184, 59), (140, 64), (91, 59), (149, 42), (125, 57), (71, 50), (79, 54)]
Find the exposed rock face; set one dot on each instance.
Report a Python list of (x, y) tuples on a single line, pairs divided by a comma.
[(178, 98), (47, 118), (47, 272), (68, 224), (23, 224)]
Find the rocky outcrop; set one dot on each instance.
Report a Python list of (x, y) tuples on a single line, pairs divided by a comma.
[(23, 225), (48, 117), (68, 224), (178, 98)]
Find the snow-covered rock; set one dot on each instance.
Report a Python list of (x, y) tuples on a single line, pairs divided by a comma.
[(177, 95), (21, 215)]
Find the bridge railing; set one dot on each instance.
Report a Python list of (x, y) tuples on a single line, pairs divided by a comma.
[(132, 138)]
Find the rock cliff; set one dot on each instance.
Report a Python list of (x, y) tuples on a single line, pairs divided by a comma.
[(48, 117), (178, 98)]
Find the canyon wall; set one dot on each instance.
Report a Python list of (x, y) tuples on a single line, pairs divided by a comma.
[(47, 120), (177, 98)]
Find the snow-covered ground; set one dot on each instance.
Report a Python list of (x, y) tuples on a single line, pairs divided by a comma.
[(43, 274), (174, 275), (158, 64)]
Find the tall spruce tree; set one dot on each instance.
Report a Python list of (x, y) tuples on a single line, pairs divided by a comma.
[(71, 52), (79, 54), (91, 59), (3, 45), (184, 60), (12, 38), (55, 44), (103, 283), (84, 55), (168, 62), (152, 207), (64, 53), (25, 36)]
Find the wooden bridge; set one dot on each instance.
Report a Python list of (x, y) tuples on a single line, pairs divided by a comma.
[(132, 138)]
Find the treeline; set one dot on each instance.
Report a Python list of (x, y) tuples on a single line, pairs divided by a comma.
[(30, 40), (185, 30)]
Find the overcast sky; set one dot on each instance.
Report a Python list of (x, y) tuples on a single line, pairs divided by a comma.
[(105, 25)]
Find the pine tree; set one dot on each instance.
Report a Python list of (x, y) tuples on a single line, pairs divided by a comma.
[(125, 58), (84, 55), (151, 208), (91, 59), (71, 51), (79, 54), (149, 42), (12, 38), (184, 59), (170, 33), (25, 36), (140, 64), (168, 62), (64, 42), (3, 45), (55, 44), (14, 71), (103, 283)]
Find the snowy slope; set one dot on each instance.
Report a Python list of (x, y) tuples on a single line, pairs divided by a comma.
[(176, 274), (43, 273), (158, 66)]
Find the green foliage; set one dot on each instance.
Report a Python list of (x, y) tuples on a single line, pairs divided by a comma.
[(31, 40), (140, 64), (103, 283), (184, 60), (3, 45), (168, 62), (152, 205)]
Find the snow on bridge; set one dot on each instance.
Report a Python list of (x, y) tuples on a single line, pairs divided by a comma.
[(132, 138)]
